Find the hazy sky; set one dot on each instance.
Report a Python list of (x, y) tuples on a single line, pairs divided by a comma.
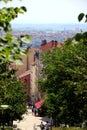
[(50, 11)]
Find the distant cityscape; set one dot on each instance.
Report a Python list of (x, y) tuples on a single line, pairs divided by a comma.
[(48, 32)]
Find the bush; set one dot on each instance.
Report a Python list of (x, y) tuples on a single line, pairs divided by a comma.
[(70, 128), (6, 128)]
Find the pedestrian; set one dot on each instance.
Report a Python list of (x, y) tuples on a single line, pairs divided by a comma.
[(42, 126), (32, 108), (47, 125), (34, 111)]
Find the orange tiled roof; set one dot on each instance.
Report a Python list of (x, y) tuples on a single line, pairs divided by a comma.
[(50, 45)]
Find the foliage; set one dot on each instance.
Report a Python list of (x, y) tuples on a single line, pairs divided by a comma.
[(81, 36), (10, 46), (12, 92), (7, 128), (81, 16), (70, 128), (65, 82)]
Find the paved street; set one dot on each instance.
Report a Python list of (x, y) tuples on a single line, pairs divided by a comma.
[(29, 122)]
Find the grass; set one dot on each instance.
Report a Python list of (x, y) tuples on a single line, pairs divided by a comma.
[(6, 128), (70, 128)]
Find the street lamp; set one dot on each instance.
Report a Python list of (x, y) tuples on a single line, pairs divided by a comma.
[(3, 107)]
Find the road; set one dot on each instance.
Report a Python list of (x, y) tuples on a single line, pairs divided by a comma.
[(29, 122)]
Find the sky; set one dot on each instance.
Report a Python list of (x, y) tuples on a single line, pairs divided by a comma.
[(49, 11)]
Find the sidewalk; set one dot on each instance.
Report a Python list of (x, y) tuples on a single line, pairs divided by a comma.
[(30, 122)]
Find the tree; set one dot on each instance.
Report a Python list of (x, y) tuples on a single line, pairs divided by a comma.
[(11, 89), (12, 94), (64, 82)]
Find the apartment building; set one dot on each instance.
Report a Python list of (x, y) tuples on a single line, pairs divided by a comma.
[(30, 71)]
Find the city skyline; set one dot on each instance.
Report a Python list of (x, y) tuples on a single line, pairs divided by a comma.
[(49, 11)]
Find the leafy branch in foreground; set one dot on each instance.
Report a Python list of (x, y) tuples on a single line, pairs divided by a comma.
[(81, 16), (12, 91), (7, 15)]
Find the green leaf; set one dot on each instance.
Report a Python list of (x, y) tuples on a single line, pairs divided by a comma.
[(24, 8), (9, 37), (16, 9), (26, 38), (80, 17)]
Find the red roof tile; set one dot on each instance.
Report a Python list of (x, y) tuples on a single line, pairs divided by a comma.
[(50, 45)]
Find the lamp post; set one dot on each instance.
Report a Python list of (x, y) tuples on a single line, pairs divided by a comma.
[(3, 107)]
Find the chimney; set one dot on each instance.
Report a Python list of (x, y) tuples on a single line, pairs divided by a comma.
[(56, 43), (44, 42)]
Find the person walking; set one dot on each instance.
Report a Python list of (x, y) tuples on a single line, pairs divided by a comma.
[(32, 108), (42, 126), (47, 125)]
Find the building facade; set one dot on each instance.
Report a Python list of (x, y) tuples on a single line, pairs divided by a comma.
[(30, 71)]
